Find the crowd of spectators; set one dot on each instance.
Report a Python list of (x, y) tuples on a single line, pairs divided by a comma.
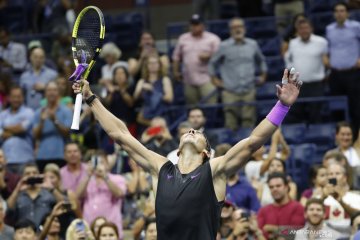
[(57, 184)]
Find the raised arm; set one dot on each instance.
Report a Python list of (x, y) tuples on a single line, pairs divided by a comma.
[(118, 131), (239, 154)]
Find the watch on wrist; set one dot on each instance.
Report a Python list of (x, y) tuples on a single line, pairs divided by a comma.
[(90, 99)]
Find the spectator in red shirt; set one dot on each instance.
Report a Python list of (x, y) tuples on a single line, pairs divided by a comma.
[(283, 212)]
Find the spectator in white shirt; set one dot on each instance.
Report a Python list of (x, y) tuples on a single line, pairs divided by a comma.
[(308, 54), (12, 54)]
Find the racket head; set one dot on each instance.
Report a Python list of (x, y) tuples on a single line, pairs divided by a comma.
[(87, 37)]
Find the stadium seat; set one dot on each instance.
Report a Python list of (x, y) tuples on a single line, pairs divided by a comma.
[(14, 18), (223, 135), (228, 10), (219, 27), (298, 165), (294, 133), (266, 91), (322, 5), (270, 46), (320, 21), (320, 133), (276, 67), (263, 27)]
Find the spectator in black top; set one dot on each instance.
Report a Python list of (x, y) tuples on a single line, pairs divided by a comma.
[(119, 98), (29, 199), (25, 229), (147, 48)]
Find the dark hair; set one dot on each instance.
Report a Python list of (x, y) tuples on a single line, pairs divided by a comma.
[(208, 149), (278, 175), (149, 221), (30, 165), (25, 223), (195, 108), (92, 226), (281, 161), (339, 125), (110, 225), (353, 217), (313, 172), (344, 4), (124, 69), (304, 21), (315, 201)]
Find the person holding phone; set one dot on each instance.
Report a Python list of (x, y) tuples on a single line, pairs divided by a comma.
[(337, 194), (29, 199), (102, 192), (245, 226), (189, 195), (79, 230), (158, 138)]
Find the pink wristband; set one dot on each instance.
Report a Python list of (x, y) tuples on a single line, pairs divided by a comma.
[(277, 113)]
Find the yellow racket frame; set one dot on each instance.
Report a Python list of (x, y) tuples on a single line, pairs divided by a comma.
[(101, 36)]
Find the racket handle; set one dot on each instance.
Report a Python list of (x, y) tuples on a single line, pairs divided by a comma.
[(77, 110)]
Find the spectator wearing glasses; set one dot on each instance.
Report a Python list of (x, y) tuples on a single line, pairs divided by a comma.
[(237, 59)]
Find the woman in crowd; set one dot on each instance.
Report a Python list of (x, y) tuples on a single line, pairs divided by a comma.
[(264, 194), (147, 48), (119, 98), (50, 226), (318, 180), (155, 89), (150, 229), (111, 54), (95, 225), (52, 181), (108, 231)]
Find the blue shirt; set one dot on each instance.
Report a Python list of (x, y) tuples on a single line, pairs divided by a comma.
[(27, 81), (243, 195), (51, 145), (18, 149), (344, 46)]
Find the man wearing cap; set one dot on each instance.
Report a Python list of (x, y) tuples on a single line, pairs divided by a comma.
[(194, 50)]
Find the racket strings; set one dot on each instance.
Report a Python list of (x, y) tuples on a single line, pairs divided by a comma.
[(88, 36)]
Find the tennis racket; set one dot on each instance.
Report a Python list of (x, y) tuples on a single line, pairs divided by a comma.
[(87, 38)]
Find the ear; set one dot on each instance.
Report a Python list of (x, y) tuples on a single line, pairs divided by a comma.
[(178, 153)]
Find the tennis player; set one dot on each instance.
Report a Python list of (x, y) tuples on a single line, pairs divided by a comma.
[(189, 195)]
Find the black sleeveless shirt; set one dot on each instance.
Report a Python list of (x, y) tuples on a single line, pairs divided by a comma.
[(186, 205)]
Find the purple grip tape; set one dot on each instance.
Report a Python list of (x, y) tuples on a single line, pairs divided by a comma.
[(80, 69), (278, 113)]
